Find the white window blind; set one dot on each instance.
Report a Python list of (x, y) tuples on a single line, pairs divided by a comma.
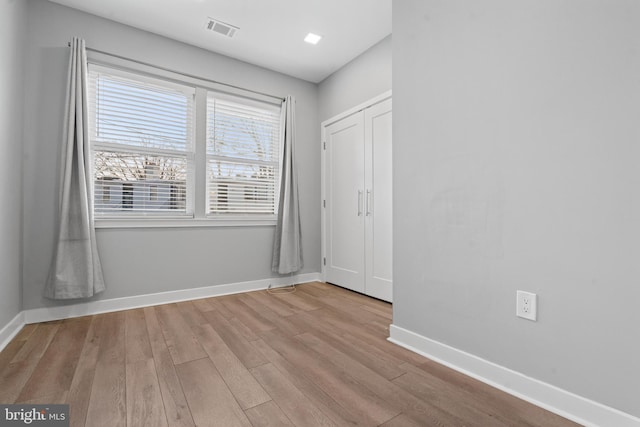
[(142, 139), (243, 156)]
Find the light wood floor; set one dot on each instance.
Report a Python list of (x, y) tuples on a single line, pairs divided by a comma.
[(318, 356)]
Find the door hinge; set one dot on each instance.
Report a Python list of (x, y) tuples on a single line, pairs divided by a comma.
[(324, 260), (324, 145), (324, 203)]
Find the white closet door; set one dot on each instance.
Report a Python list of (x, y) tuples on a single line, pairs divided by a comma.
[(345, 199), (378, 201)]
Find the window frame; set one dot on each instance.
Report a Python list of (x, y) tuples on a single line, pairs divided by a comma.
[(187, 154), (199, 216)]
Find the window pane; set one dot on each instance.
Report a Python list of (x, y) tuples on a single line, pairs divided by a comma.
[(141, 114), (240, 188), (246, 133), (134, 183)]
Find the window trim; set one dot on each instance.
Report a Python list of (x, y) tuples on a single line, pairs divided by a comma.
[(199, 218)]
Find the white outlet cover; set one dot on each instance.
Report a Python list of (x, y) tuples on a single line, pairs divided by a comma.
[(527, 305)]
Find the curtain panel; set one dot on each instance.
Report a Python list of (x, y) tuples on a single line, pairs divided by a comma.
[(287, 246), (75, 271)]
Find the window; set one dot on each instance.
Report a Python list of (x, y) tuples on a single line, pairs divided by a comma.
[(149, 164), (243, 150), (142, 138)]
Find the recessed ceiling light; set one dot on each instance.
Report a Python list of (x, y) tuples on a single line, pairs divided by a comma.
[(312, 38)]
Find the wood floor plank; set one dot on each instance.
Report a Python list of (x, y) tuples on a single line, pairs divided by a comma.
[(321, 285), (210, 401), (144, 399), (509, 409), (203, 304), (282, 323), (217, 305), (15, 375), (182, 344), (384, 366), (80, 390), (273, 303), (340, 415), (268, 415), (380, 327), (343, 322), (243, 350), (175, 403), (419, 410), (38, 342), (377, 328), (287, 304), (354, 296), (26, 332), (322, 298), (107, 405), (378, 307), (10, 352), (401, 420), (292, 401), (248, 316), (448, 401), (297, 301), (11, 376), (247, 333), (336, 383), (380, 312), (57, 398), (314, 291), (191, 314), (55, 369), (349, 308), (374, 344), (136, 337), (242, 384)]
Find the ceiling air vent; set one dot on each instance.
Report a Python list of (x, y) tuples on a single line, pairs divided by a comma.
[(221, 27)]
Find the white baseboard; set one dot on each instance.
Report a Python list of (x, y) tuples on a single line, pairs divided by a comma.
[(47, 314), (576, 408), (11, 329)]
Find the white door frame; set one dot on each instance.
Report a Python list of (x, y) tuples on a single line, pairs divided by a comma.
[(373, 101)]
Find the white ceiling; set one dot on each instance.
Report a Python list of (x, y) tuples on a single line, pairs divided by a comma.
[(271, 31)]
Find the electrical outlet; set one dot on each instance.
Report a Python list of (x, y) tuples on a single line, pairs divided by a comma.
[(527, 305)]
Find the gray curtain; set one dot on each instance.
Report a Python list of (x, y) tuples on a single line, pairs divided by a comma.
[(75, 270), (287, 245)]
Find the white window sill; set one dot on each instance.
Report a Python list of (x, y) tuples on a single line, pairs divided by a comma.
[(182, 222)]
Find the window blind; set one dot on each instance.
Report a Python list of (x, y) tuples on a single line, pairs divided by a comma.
[(243, 156), (141, 132)]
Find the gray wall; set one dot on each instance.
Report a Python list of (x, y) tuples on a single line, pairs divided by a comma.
[(516, 150), (366, 76), (12, 23), (140, 261)]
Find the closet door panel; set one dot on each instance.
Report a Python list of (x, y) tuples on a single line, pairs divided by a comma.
[(345, 198), (379, 249)]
